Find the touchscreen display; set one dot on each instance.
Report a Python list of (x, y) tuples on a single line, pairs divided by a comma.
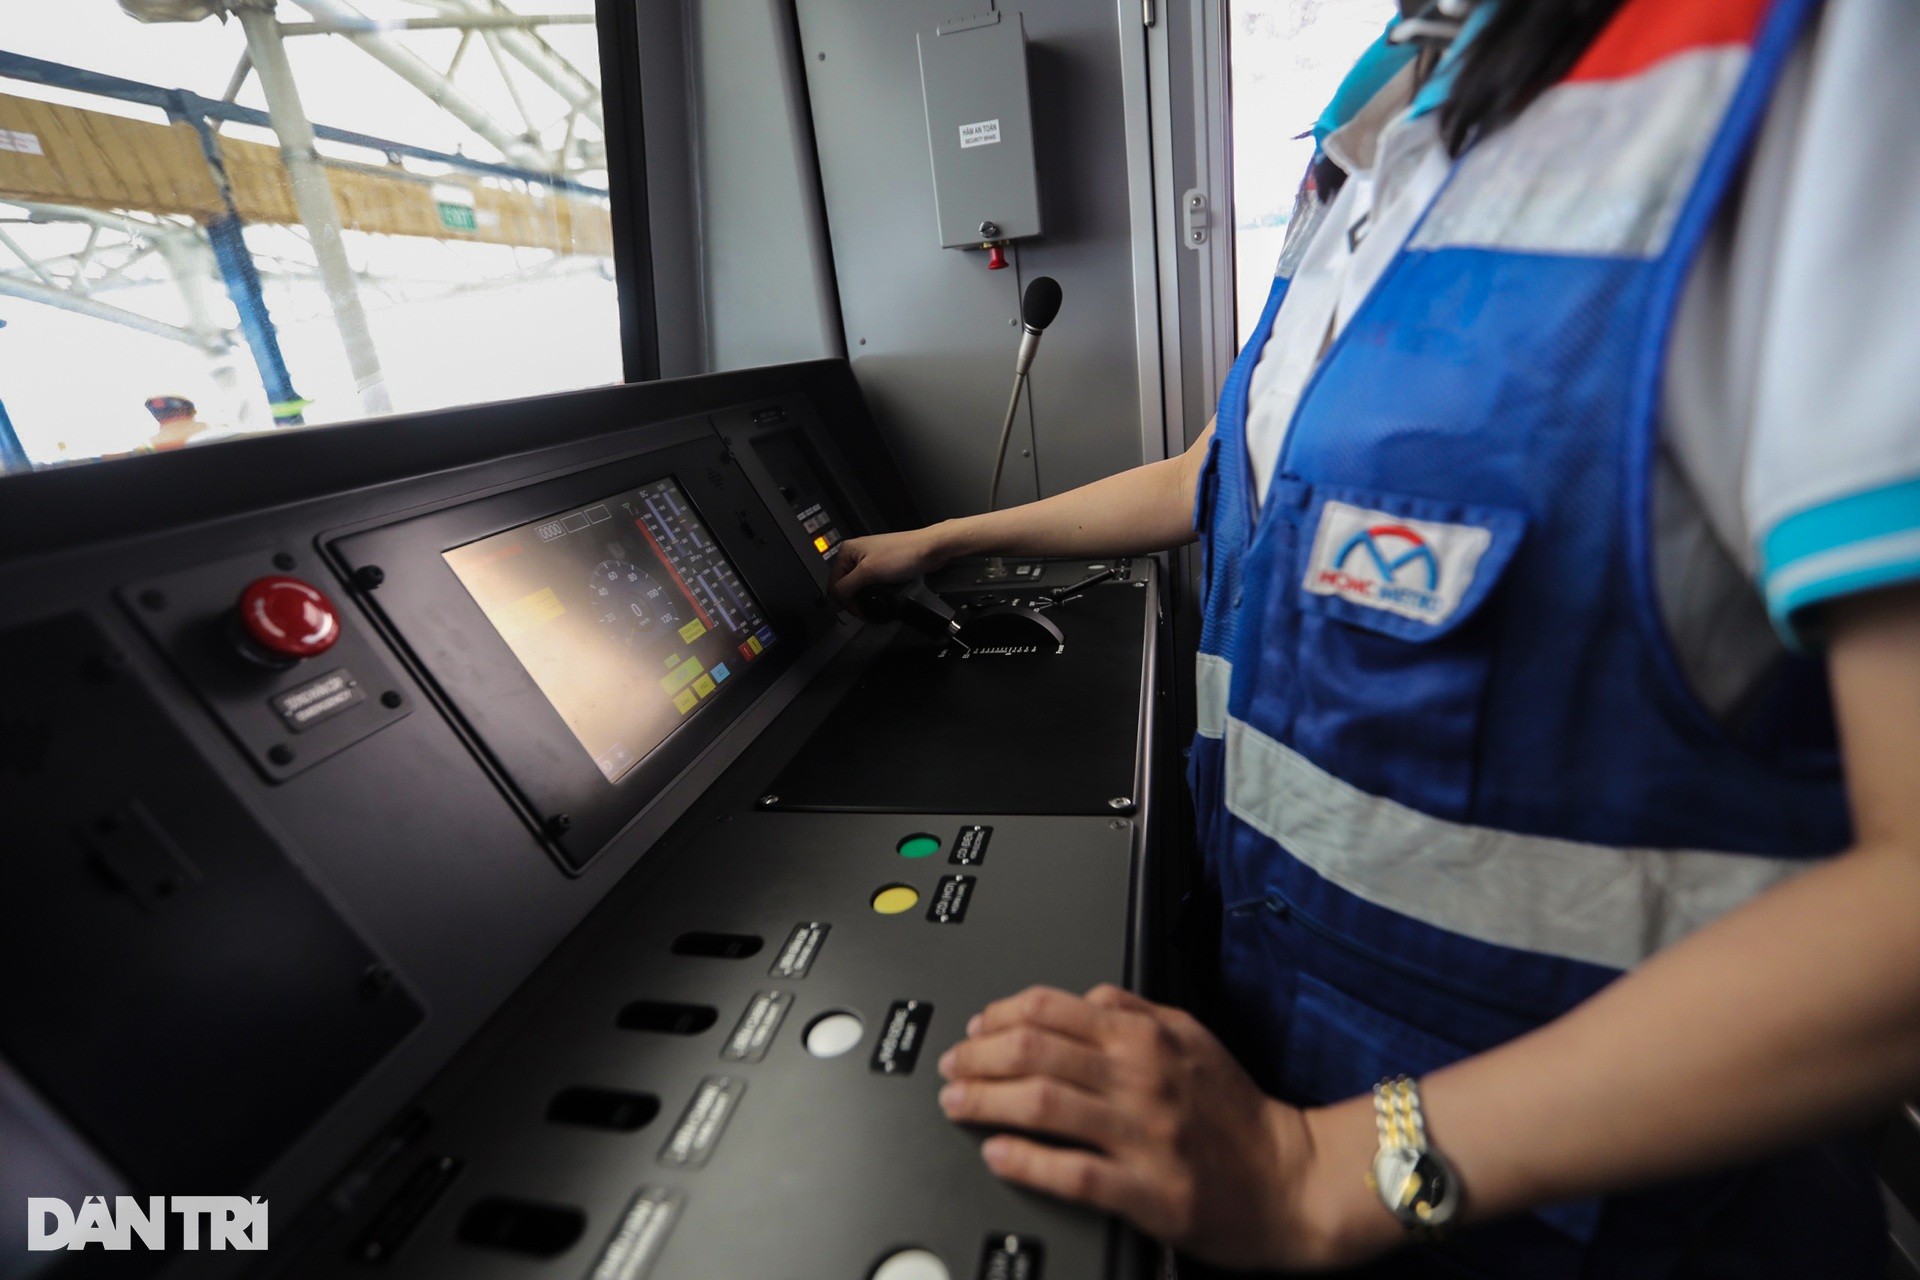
[(625, 612)]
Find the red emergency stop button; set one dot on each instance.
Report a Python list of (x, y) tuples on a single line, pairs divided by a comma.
[(286, 619)]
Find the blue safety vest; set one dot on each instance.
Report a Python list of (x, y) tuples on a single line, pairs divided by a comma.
[(1451, 779)]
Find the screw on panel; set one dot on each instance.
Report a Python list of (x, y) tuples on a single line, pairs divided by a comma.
[(374, 979), (767, 802), (280, 753), (284, 562), (153, 599), (368, 577), (391, 699), (558, 825), (990, 229), (1121, 804)]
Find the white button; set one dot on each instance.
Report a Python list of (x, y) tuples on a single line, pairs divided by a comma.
[(831, 1035), (911, 1264)]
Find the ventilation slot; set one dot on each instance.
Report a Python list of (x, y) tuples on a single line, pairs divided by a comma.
[(613, 1109), (522, 1226), (717, 946), (668, 1018)]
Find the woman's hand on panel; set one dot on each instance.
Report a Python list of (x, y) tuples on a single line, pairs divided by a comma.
[(1166, 1129)]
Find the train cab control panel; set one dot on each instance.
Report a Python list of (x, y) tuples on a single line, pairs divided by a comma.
[(480, 836)]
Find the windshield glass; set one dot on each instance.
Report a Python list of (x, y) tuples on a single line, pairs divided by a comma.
[(220, 217)]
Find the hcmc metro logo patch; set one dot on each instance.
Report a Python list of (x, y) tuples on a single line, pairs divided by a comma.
[(1419, 569)]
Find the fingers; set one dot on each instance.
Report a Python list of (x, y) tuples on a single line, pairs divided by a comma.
[(1080, 1176), (1047, 1007), (850, 572), (1108, 996), (1026, 1051), (1178, 1023), (1035, 1104)]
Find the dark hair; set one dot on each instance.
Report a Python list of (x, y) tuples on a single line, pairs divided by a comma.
[(1524, 49)]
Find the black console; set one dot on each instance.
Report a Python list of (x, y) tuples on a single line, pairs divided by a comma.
[(478, 835)]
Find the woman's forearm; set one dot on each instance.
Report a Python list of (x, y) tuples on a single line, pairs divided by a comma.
[(1799, 1012), (1792, 1015), (1147, 509)]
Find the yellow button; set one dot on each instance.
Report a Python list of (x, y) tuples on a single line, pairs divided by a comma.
[(693, 631), (703, 686), (684, 701), (895, 898), (753, 643)]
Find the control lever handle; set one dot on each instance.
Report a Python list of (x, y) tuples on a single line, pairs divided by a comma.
[(913, 603), (1060, 595)]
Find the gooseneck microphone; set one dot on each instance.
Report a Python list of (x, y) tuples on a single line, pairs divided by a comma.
[(1038, 306)]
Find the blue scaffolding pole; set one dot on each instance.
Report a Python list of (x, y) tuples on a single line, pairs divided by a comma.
[(13, 455)]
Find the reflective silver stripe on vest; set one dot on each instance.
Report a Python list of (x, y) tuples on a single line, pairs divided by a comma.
[(1214, 676), (1605, 905)]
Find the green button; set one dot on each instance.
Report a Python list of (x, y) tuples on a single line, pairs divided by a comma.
[(918, 846)]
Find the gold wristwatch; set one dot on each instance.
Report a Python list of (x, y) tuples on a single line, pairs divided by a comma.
[(1413, 1181)]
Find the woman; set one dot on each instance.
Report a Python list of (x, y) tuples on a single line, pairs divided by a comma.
[(1564, 503)]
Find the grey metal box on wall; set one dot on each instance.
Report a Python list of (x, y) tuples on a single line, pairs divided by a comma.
[(973, 75)]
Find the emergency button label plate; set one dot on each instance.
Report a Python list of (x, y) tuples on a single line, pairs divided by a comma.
[(317, 700)]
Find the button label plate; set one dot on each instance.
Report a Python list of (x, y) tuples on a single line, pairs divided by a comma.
[(970, 846), (701, 1124), (754, 1032), (902, 1037)]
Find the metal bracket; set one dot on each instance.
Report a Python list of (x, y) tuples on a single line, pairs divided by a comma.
[(1196, 218)]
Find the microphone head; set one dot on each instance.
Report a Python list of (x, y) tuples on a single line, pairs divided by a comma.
[(1041, 303)]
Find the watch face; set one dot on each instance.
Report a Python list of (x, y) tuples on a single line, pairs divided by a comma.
[(1416, 1186), (1434, 1201)]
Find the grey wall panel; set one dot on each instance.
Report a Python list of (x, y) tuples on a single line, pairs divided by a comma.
[(931, 331), (1087, 401), (768, 279)]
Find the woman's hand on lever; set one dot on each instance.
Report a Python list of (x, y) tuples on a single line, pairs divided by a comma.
[(1135, 512), (884, 558)]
